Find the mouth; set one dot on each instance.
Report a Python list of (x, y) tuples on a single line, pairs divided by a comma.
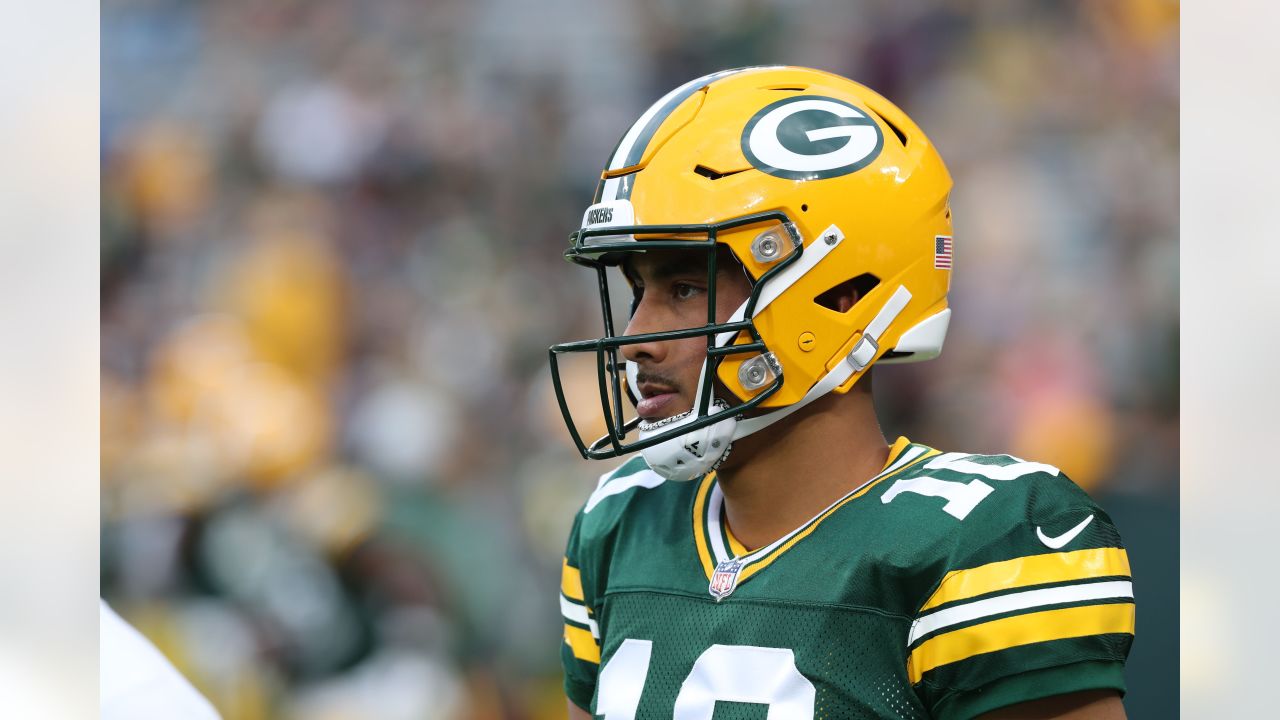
[(656, 401)]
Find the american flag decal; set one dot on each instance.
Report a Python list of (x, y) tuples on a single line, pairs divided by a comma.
[(942, 252)]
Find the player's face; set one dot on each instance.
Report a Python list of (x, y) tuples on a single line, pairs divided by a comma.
[(672, 292)]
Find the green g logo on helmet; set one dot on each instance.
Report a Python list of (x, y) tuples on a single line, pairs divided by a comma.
[(809, 137)]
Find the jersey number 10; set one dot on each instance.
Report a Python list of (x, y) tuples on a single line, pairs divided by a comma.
[(961, 497), (731, 673)]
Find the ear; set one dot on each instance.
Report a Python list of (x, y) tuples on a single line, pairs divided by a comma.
[(841, 297), (847, 301)]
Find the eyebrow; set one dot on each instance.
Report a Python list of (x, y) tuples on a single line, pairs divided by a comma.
[(675, 267)]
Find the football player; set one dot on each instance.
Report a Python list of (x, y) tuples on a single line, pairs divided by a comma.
[(767, 553)]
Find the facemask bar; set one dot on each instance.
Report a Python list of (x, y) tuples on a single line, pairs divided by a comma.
[(600, 256)]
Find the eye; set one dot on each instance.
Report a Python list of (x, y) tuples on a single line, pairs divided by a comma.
[(685, 291)]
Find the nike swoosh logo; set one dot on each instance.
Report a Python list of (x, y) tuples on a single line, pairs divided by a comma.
[(1066, 537)]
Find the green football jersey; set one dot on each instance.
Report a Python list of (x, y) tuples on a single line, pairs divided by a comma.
[(948, 585)]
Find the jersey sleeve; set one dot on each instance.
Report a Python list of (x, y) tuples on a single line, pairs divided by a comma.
[(1037, 601), (580, 652)]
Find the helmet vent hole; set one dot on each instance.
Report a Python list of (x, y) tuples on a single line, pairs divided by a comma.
[(843, 297), (896, 130), (804, 208), (710, 174)]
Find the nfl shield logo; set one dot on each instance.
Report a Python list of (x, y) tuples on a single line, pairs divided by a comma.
[(725, 579)]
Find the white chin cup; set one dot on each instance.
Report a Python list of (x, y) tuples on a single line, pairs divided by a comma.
[(694, 453)]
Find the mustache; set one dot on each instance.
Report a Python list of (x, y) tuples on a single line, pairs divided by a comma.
[(656, 378)]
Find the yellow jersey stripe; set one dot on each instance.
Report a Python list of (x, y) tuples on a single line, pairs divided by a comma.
[(571, 582), (1029, 570), (735, 547), (583, 645), (764, 562), (895, 450), (699, 533), (1018, 630)]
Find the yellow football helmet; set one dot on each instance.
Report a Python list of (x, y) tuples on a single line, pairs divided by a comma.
[(812, 181)]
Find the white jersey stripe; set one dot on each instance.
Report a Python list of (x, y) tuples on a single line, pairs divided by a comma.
[(1018, 601), (578, 613), (714, 502), (644, 479), (907, 457)]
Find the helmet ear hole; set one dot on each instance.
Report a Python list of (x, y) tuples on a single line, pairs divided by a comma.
[(844, 296)]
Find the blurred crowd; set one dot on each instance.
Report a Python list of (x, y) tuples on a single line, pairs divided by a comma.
[(335, 483)]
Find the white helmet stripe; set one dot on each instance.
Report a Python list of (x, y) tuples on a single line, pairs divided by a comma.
[(656, 113), (632, 146)]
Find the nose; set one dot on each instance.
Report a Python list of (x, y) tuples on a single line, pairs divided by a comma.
[(645, 320)]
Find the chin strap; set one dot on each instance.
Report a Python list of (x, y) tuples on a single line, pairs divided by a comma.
[(863, 352), (808, 260)]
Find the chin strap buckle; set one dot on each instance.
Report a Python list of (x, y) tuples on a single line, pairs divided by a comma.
[(863, 352)]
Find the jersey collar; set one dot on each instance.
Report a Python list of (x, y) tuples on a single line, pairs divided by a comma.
[(716, 545)]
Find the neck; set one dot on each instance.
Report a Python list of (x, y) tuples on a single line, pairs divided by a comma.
[(777, 479)]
